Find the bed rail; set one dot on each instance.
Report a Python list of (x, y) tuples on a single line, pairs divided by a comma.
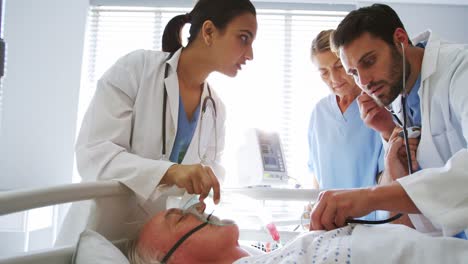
[(26, 199), (20, 200)]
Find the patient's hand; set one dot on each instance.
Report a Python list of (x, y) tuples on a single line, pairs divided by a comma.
[(196, 179)]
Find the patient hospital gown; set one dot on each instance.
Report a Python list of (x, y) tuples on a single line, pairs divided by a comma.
[(311, 247), (367, 244)]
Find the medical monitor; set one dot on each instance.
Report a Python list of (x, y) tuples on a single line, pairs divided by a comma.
[(262, 160), (271, 153)]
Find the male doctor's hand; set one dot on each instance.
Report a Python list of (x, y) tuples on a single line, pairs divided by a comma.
[(196, 179), (396, 159), (333, 207), (374, 116)]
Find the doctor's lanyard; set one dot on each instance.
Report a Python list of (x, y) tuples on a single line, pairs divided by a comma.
[(208, 99)]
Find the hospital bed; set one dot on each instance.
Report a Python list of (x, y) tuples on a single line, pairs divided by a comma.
[(21, 200)]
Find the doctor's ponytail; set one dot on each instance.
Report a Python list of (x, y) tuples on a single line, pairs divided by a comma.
[(220, 12), (172, 40)]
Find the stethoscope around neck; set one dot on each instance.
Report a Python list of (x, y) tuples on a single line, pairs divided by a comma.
[(207, 102), (403, 124)]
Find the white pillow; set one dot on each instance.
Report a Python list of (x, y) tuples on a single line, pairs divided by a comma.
[(94, 248)]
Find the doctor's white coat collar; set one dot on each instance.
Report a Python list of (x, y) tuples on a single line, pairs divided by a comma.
[(172, 86), (428, 64), (431, 51)]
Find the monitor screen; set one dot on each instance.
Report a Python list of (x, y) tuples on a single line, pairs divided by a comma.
[(270, 150)]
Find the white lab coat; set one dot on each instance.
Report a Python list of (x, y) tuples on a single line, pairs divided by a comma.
[(440, 189), (121, 139)]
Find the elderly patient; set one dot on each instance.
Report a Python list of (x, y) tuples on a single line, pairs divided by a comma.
[(190, 236)]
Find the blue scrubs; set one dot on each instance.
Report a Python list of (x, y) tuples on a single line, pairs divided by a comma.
[(412, 100), (343, 151), (413, 105), (185, 131)]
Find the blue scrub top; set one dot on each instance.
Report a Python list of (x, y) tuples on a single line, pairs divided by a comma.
[(413, 102), (343, 151), (185, 130), (413, 105)]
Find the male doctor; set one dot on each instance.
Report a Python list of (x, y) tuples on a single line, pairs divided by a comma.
[(372, 44)]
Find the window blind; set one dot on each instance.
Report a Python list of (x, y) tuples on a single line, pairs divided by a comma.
[(275, 92)]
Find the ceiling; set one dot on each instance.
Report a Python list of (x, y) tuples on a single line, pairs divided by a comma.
[(435, 2)]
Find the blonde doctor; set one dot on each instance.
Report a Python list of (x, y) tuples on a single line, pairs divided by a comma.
[(155, 124)]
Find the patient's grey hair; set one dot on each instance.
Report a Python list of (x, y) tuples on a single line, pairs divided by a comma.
[(135, 256)]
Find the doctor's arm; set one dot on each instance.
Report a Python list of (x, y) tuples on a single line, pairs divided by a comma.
[(103, 146), (440, 193), (202, 178), (335, 206), (396, 167)]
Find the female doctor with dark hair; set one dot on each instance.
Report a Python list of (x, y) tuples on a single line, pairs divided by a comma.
[(154, 123)]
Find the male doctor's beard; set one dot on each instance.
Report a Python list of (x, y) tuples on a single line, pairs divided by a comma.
[(395, 73)]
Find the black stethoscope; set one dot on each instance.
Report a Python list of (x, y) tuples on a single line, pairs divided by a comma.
[(208, 102)]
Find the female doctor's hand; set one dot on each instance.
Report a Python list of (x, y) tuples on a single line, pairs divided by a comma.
[(333, 207), (374, 116), (196, 179)]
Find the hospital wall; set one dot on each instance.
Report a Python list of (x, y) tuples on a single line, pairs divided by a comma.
[(40, 91), (40, 96), (447, 21)]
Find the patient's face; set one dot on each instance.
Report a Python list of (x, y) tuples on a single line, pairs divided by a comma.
[(167, 227)]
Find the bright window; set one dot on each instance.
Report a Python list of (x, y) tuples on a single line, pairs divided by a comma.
[(276, 91)]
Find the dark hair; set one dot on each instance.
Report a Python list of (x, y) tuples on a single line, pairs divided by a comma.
[(220, 12), (378, 19)]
